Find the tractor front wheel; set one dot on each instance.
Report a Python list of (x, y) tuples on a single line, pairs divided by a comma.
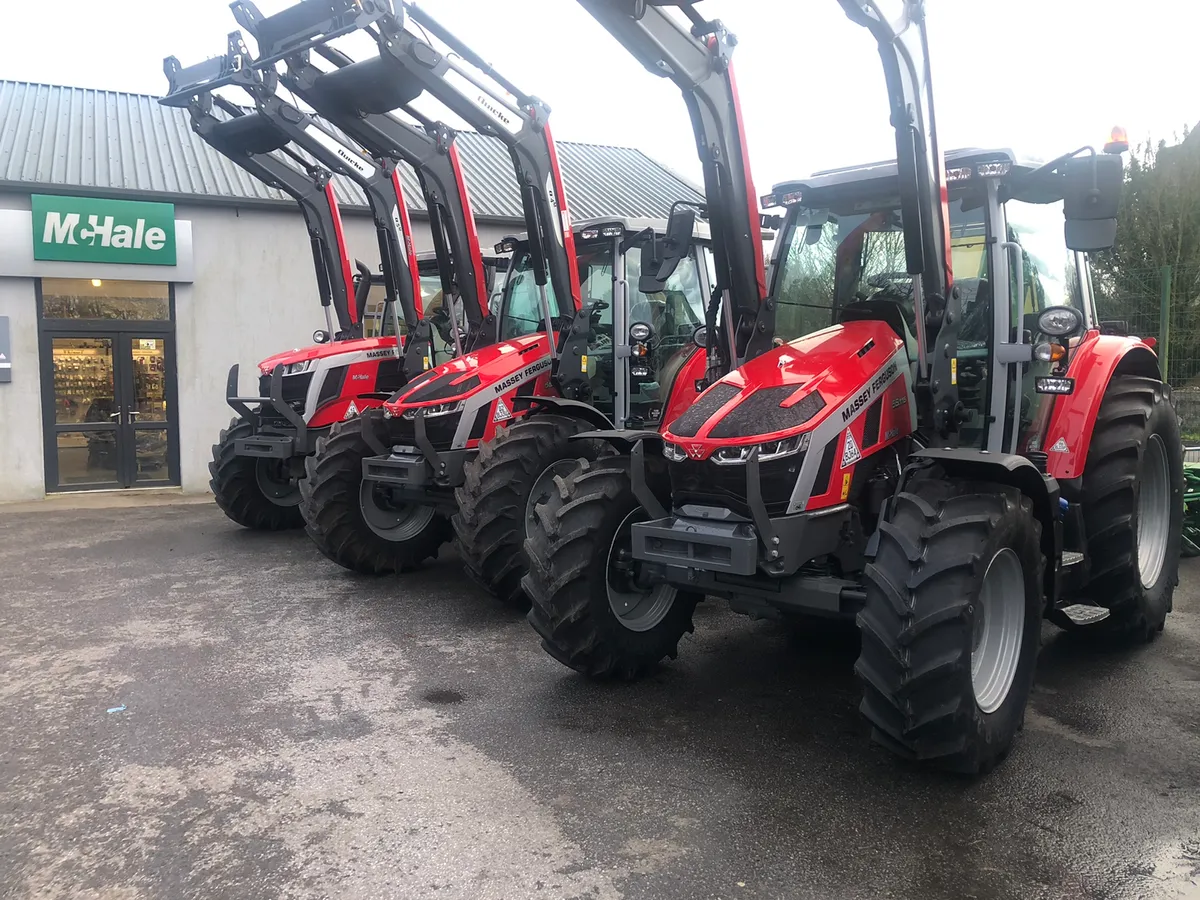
[(256, 493), (591, 602), (504, 483), (357, 523), (1133, 508), (952, 622)]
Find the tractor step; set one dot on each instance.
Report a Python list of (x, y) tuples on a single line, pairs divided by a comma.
[(1071, 558), (1084, 613)]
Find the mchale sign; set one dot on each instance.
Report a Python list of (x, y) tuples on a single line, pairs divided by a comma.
[(84, 229)]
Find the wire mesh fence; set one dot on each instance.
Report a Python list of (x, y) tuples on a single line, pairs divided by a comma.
[(1163, 303)]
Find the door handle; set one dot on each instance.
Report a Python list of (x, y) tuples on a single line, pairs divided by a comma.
[(114, 415)]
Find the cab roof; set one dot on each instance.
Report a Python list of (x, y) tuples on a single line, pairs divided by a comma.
[(873, 178)]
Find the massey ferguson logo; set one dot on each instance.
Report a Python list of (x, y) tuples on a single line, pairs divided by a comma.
[(695, 451), (513, 380), (379, 354), (101, 232), (852, 408)]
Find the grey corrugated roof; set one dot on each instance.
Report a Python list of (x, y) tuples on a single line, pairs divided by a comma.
[(67, 138)]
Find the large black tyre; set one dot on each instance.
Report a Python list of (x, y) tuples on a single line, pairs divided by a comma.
[(927, 591), (1135, 442), (234, 483), (494, 501), (334, 518), (575, 551)]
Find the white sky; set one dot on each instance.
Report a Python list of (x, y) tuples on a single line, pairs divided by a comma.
[(1043, 76)]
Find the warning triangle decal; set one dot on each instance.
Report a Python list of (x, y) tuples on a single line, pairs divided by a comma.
[(502, 411), (850, 452), (351, 411), (1060, 446)]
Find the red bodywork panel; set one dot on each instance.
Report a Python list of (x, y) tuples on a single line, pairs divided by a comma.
[(321, 351), (1092, 365), (494, 364), (856, 367), (683, 391), (826, 360)]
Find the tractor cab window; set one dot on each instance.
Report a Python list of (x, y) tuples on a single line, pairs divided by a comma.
[(852, 255), (673, 315), (377, 315), (595, 263), (522, 305), (1051, 276)]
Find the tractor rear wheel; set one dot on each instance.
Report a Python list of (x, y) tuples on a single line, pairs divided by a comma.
[(952, 622), (510, 475), (591, 603), (1133, 508), (354, 522), (256, 493)]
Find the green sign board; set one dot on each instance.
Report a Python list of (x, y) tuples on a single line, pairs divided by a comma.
[(85, 229)]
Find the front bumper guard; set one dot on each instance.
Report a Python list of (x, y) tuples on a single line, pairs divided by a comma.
[(720, 542), (296, 439), (421, 468)]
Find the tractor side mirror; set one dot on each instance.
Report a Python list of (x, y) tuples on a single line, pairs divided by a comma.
[(670, 251), (1091, 199)]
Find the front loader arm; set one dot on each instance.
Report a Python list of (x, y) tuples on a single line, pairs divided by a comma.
[(698, 62), (898, 27), (341, 97), (469, 86), (245, 140)]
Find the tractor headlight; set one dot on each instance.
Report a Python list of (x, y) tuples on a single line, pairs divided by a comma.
[(432, 412), (640, 331), (298, 368), (1059, 321), (673, 452), (735, 456)]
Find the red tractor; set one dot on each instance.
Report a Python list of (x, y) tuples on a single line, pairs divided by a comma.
[(481, 438), (259, 460), (945, 460)]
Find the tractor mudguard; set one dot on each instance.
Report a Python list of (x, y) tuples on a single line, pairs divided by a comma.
[(622, 439), (576, 409), (1093, 364), (1009, 469)]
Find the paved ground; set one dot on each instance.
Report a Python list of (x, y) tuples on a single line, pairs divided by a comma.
[(290, 731)]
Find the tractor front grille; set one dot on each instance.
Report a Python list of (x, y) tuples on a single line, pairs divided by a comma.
[(706, 484), (295, 388)]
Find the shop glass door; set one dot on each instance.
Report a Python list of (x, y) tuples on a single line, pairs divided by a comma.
[(86, 414), (108, 383), (144, 428), (111, 406)]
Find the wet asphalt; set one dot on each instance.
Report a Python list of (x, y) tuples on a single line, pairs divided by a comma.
[(192, 710)]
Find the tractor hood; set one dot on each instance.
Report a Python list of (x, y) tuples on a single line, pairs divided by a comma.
[(378, 346), (794, 388), (496, 369)]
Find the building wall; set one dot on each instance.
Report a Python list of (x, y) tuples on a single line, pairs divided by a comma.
[(22, 476), (254, 294)]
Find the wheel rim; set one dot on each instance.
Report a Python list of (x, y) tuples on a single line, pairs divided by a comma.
[(1154, 512), (637, 606), (999, 625), (276, 484), (395, 522), (543, 486)]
